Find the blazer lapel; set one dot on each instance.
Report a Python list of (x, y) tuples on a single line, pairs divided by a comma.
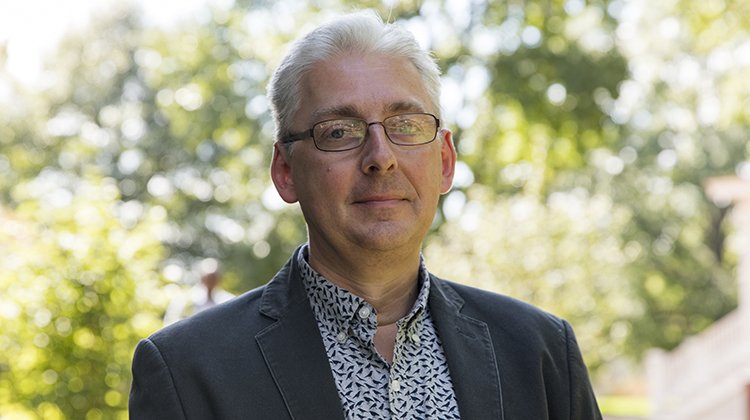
[(470, 353), (294, 352)]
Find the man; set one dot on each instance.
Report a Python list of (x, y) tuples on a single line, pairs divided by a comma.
[(353, 326), (206, 294)]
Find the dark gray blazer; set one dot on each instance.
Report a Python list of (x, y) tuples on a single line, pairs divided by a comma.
[(260, 356)]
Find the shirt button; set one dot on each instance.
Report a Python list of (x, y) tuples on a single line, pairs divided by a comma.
[(341, 337), (415, 338), (364, 312), (395, 385)]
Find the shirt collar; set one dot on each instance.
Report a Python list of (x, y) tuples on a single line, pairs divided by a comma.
[(337, 307)]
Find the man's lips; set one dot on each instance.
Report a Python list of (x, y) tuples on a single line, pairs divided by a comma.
[(384, 199)]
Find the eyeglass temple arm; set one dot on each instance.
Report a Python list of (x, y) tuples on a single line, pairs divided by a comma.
[(297, 137)]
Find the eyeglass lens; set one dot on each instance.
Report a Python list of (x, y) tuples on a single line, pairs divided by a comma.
[(404, 129)]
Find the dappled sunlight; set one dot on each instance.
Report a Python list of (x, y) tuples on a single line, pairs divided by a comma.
[(567, 255), (139, 145), (79, 287)]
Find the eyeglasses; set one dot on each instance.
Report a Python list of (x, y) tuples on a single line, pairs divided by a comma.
[(342, 134)]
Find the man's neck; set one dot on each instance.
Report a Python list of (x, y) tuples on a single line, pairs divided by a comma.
[(389, 284)]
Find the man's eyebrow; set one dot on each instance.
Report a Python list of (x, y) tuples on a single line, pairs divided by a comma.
[(405, 106), (336, 111), (355, 112)]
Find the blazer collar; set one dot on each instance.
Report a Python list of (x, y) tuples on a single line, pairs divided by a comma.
[(294, 353), (471, 356), (284, 291), (293, 349)]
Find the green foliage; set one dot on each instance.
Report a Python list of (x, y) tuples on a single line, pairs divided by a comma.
[(564, 255), (550, 67), (677, 134), (619, 100), (585, 131), (625, 406), (178, 119), (80, 287)]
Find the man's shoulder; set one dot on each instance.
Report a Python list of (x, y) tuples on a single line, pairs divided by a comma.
[(237, 315), (237, 320), (500, 312)]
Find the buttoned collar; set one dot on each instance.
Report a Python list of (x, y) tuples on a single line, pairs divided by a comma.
[(343, 313)]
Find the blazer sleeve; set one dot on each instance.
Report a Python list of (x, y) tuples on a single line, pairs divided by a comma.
[(583, 403), (152, 394)]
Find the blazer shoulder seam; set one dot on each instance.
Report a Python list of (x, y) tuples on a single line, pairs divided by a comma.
[(163, 360)]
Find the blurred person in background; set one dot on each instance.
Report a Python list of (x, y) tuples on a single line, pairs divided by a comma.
[(205, 294), (354, 326)]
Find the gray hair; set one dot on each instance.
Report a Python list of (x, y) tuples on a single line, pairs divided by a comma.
[(360, 32)]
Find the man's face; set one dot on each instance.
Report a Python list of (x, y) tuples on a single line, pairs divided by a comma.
[(380, 196)]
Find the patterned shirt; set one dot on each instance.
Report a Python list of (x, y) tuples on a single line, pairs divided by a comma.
[(417, 385)]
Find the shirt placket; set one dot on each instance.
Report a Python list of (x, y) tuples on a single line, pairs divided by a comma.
[(408, 342), (400, 390), (364, 324)]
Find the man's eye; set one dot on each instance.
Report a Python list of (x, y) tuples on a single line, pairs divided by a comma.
[(341, 131), (337, 133), (406, 127)]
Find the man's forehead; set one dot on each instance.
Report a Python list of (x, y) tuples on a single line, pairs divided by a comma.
[(358, 85), (359, 111)]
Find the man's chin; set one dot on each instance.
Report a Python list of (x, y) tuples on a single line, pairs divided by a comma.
[(387, 237)]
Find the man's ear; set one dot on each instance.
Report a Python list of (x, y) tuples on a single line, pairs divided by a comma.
[(281, 173), (448, 158)]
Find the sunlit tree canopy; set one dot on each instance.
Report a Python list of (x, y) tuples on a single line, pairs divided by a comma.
[(586, 130)]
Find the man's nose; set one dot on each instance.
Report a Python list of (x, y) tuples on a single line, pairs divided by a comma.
[(378, 151)]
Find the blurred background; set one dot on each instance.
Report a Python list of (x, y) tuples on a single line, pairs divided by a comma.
[(135, 141)]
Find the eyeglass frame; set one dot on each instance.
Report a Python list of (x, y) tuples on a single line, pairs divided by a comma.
[(291, 138)]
